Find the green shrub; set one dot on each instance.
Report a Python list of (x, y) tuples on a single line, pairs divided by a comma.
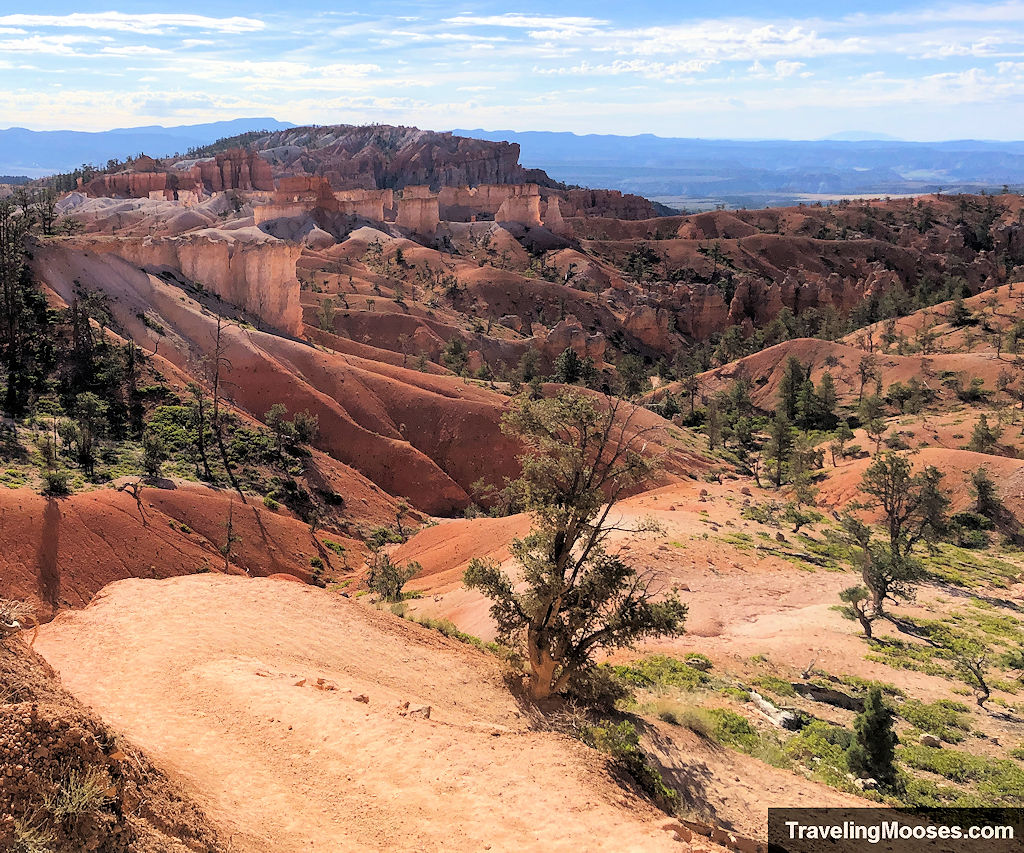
[(944, 719), (822, 747), (270, 503), (599, 688), (732, 729), (387, 578), (661, 671), (999, 779), (336, 547), (56, 483), (774, 684)]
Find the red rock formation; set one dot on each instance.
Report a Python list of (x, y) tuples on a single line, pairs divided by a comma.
[(380, 156), (610, 204), (300, 195), (235, 169), (566, 334)]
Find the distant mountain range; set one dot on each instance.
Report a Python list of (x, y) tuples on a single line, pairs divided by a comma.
[(43, 152), (686, 173), (758, 173)]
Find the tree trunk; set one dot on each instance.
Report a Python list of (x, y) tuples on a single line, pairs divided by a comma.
[(542, 668)]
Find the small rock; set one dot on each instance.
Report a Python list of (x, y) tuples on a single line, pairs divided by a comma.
[(745, 491), (867, 784), (362, 697), (930, 740), (780, 537), (301, 682), (420, 711)]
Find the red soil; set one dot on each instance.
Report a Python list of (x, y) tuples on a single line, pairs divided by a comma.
[(60, 552)]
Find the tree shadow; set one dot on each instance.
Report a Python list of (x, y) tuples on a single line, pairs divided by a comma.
[(691, 777)]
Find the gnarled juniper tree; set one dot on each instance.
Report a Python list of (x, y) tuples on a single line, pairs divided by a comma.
[(574, 596)]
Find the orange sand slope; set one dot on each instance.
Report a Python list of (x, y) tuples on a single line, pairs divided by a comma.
[(217, 677), (60, 553)]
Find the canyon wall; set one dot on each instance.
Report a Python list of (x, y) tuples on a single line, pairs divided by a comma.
[(418, 210), (300, 195), (254, 273), (234, 169), (383, 157), (609, 204)]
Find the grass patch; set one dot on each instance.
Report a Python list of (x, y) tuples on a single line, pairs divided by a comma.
[(962, 567), (78, 792), (774, 684), (945, 719), (735, 731), (661, 671), (1000, 781), (821, 748), (900, 654)]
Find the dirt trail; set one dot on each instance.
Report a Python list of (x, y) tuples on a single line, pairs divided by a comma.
[(204, 672)]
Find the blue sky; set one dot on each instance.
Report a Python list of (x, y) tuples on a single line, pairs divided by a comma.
[(922, 70)]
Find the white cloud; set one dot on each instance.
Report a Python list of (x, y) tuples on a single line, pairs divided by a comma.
[(526, 22), (141, 23), (644, 68)]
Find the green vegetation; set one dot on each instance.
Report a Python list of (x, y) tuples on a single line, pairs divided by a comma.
[(578, 598), (387, 578), (621, 742), (822, 748), (661, 671), (945, 719), (913, 509), (998, 781), (774, 684), (872, 751)]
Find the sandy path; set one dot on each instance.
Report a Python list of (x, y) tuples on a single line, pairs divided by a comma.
[(202, 672)]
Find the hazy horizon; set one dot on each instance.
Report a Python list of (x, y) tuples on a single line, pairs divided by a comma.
[(914, 70), (833, 137)]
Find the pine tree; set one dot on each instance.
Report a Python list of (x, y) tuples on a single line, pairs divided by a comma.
[(792, 381), (780, 441), (827, 401), (807, 414), (873, 751), (984, 437), (568, 367), (572, 598), (986, 497), (713, 425)]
